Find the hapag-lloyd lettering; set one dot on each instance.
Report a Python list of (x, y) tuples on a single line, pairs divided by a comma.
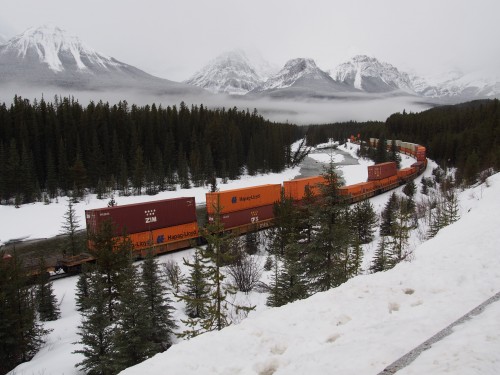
[(249, 197), (180, 236)]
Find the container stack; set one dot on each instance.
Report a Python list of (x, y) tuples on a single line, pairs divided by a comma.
[(164, 225), (296, 189), (244, 209), (382, 170)]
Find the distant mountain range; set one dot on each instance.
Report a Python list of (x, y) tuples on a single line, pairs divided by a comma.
[(49, 56)]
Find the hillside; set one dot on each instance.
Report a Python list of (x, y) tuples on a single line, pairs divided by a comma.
[(381, 316), (372, 320)]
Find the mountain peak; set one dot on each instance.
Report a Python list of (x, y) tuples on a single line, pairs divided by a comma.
[(368, 74), (231, 72), (49, 43)]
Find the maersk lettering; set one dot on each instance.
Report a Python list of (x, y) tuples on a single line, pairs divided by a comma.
[(180, 236), (249, 197)]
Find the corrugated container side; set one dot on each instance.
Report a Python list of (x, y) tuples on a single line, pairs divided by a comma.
[(242, 199), (141, 217), (245, 217), (357, 189), (405, 172), (295, 189), (162, 236), (383, 170)]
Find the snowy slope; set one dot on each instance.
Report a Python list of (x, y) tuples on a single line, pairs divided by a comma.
[(370, 321), (359, 327)]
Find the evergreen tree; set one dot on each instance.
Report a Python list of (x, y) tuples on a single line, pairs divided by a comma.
[(394, 154), (138, 171), (45, 299), (388, 216), (363, 221), (96, 330), (82, 288), (381, 151), (157, 310), (380, 262), (398, 245), (131, 335), (21, 335), (70, 227), (410, 189), (326, 254)]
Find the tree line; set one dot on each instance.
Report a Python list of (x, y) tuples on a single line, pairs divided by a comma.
[(57, 148)]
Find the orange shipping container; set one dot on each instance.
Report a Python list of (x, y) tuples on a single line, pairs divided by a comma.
[(296, 189), (244, 198), (162, 236), (386, 182), (357, 189), (405, 172)]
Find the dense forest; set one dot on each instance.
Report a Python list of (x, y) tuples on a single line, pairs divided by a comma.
[(465, 136), (61, 147)]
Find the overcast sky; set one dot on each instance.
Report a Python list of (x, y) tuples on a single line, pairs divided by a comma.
[(173, 39)]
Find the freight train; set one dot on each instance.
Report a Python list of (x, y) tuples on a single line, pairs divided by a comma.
[(172, 224)]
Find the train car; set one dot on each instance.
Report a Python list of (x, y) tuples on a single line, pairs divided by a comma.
[(243, 199), (296, 189), (242, 221), (141, 217), (386, 184), (382, 170), (161, 226), (357, 192)]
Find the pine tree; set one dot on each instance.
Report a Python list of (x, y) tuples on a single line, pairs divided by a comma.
[(363, 222), (410, 189), (388, 216), (138, 171), (96, 330), (70, 227), (131, 336), (157, 306), (21, 335), (379, 262), (45, 299), (326, 254), (82, 287), (197, 288), (398, 244), (381, 151)]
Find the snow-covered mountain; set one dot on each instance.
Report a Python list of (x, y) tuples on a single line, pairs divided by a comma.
[(455, 84), (231, 73), (301, 77), (370, 75), (48, 55)]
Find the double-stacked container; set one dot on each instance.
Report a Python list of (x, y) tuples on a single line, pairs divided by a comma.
[(297, 189), (382, 170), (163, 225), (244, 209)]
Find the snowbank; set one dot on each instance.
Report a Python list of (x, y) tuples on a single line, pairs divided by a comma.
[(370, 321)]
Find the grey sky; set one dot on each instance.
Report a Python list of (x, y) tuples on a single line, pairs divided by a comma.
[(173, 39)]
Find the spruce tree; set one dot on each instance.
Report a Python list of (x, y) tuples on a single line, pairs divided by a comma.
[(83, 288), (45, 299), (388, 216), (363, 221), (96, 330), (70, 227), (326, 253), (158, 309), (21, 335), (131, 335), (379, 262)]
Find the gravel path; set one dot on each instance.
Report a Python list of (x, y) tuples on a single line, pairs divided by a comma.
[(414, 353)]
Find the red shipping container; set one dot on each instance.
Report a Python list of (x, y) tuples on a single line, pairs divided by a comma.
[(244, 198), (142, 217), (244, 217), (381, 171), (295, 189)]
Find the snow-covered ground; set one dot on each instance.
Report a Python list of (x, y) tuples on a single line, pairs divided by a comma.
[(358, 328)]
